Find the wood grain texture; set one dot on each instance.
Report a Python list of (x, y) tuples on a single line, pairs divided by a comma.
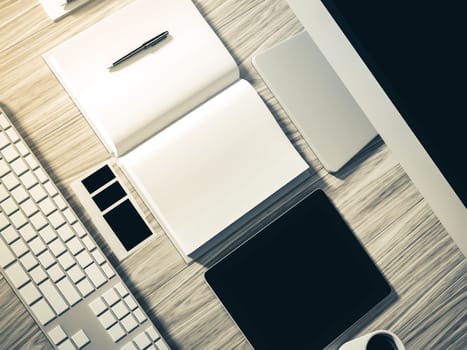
[(372, 192)]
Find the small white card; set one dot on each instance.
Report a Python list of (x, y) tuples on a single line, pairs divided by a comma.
[(56, 9)]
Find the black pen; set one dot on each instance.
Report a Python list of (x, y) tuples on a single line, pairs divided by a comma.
[(157, 39)]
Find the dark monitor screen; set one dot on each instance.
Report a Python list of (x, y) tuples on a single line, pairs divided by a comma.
[(416, 51), (301, 281)]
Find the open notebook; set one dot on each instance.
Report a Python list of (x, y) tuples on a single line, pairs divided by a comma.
[(196, 141)]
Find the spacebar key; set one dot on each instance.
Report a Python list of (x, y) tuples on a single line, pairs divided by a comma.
[(53, 297)]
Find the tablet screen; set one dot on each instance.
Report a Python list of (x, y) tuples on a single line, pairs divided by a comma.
[(301, 281)]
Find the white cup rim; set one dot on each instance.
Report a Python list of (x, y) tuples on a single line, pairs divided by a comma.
[(361, 342), (394, 337)]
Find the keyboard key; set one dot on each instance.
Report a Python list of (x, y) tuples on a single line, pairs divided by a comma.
[(55, 273), (4, 122), (29, 261), (31, 161), (28, 179), (27, 232), (19, 248), (47, 234), (70, 217), (84, 259), (129, 323), (85, 287), (79, 229), (37, 193), (22, 149), (38, 274), (68, 291), (9, 206), (47, 206), (53, 297), (139, 315), (10, 181), (96, 276), (3, 140), (3, 220), (43, 312), (12, 134), (30, 293), (10, 153), (37, 246), (97, 255), (116, 332), (60, 202), (50, 189), (38, 220), (88, 243), (6, 256), (18, 219), (56, 219), (97, 306), (46, 259), (152, 333), (110, 297), (41, 175), (57, 247), (9, 233), (80, 338), (129, 346), (4, 194), (19, 166), (4, 168), (57, 335), (121, 289), (16, 274), (107, 319), (130, 302), (66, 232), (19, 194), (67, 345), (66, 260), (108, 271), (142, 340), (29, 207), (76, 274), (161, 345), (75, 245)]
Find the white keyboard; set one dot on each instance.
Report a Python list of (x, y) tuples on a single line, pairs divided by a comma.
[(54, 265)]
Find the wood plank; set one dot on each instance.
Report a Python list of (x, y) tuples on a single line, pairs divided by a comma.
[(13, 28)]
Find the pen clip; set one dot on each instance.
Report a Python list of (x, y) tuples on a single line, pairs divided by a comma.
[(155, 40)]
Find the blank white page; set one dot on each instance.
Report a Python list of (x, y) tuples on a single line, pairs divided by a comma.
[(213, 166), (138, 98)]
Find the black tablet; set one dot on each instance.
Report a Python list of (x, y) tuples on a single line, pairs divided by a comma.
[(301, 281)]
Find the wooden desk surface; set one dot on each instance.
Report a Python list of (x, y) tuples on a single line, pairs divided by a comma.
[(373, 193)]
